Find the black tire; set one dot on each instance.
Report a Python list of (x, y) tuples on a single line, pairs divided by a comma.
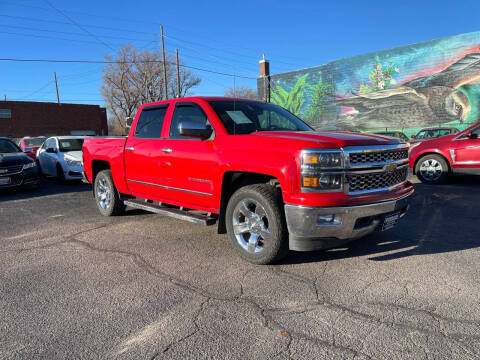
[(60, 174), (110, 204), (262, 197), (436, 172), (40, 173)]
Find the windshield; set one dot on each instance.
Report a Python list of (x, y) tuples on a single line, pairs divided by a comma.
[(245, 117), (70, 144), (34, 141), (6, 146)]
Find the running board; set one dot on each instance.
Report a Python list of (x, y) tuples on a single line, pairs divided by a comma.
[(172, 212)]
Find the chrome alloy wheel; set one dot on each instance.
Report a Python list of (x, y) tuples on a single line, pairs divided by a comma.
[(431, 169), (250, 225), (103, 194)]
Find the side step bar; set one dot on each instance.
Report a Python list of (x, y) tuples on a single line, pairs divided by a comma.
[(172, 212)]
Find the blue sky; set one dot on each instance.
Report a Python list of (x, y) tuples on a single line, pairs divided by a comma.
[(224, 36)]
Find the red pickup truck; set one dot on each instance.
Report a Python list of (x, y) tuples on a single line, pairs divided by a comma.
[(258, 171), (434, 160)]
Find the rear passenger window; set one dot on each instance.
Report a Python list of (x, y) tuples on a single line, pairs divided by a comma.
[(150, 123)]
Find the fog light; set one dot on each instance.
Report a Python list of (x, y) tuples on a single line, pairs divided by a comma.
[(329, 220)]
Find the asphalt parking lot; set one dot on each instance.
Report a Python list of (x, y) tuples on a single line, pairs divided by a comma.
[(76, 285)]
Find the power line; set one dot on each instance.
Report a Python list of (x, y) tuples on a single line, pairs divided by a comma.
[(78, 25), (123, 62), (68, 33)]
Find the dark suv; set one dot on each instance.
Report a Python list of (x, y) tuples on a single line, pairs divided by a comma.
[(16, 168)]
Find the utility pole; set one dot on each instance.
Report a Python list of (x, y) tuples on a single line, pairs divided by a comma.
[(178, 74), (56, 86), (265, 74), (164, 65)]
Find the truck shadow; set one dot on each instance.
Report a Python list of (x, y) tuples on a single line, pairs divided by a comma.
[(442, 218), (46, 186)]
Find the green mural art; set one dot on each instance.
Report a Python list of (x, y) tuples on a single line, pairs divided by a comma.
[(406, 88)]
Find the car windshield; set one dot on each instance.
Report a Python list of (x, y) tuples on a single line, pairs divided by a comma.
[(6, 146), (34, 141), (245, 117), (70, 144)]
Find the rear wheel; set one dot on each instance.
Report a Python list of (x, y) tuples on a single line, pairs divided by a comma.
[(106, 195), (256, 225), (432, 169)]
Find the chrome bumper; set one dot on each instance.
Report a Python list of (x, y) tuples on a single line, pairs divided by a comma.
[(307, 233)]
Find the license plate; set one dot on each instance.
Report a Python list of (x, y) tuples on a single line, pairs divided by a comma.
[(4, 181), (390, 221)]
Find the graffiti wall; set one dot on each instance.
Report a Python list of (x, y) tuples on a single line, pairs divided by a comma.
[(406, 88)]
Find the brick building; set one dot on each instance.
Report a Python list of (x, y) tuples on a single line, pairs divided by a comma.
[(27, 118)]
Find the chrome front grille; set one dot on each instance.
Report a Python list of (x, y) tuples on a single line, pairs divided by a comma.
[(374, 181), (375, 168), (378, 156), (9, 170)]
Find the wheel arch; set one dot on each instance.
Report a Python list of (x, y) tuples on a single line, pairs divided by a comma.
[(234, 180), (421, 156)]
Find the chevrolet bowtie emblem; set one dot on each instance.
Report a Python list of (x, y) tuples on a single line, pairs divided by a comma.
[(390, 167)]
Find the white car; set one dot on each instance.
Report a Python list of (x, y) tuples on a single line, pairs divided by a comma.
[(61, 156)]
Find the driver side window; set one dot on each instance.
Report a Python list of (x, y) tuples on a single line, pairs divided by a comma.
[(476, 131), (187, 114)]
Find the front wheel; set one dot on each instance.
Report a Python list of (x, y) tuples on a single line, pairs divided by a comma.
[(432, 169), (106, 195), (256, 225)]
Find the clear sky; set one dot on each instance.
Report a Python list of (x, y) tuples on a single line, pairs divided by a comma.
[(219, 35)]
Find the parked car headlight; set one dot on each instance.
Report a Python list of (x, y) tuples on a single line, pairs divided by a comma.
[(321, 170), (29, 165), (73, 162)]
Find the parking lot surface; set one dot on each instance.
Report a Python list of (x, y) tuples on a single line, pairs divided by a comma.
[(76, 285)]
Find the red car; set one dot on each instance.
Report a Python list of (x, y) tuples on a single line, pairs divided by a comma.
[(434, 160), (32, 143), (269, 180)]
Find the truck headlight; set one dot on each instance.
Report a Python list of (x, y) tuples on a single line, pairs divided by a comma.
[(322, 159), (323, 181), (321, 169)]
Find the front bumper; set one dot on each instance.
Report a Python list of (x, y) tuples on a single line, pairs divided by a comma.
[(27, 177), (307, 233)]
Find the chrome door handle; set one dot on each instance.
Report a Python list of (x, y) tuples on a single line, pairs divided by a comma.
[(167, 150), (130, 148)]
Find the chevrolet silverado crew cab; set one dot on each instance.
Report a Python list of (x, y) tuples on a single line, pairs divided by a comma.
[(267, 178)]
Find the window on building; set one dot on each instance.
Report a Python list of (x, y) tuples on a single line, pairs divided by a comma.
[(5, 114)]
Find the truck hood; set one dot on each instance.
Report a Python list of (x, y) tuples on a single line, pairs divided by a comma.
[(331, 138)]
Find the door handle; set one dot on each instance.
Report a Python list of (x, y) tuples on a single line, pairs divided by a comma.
[(130, 148), (167, 150)]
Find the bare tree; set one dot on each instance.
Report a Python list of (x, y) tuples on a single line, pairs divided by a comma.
[(135, 77), (241, 91)]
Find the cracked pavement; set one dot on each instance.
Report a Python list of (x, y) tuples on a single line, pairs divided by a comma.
[(76, 285)]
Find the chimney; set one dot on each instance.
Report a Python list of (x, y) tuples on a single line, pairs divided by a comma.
[(265, 74)]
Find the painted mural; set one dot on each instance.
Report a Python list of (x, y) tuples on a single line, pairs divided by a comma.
[(407, 88)]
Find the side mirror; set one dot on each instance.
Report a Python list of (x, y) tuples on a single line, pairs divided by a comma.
[(193, 129), (473, 136), (413, 136), (129, 121), (51, 150), (28, 150)]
